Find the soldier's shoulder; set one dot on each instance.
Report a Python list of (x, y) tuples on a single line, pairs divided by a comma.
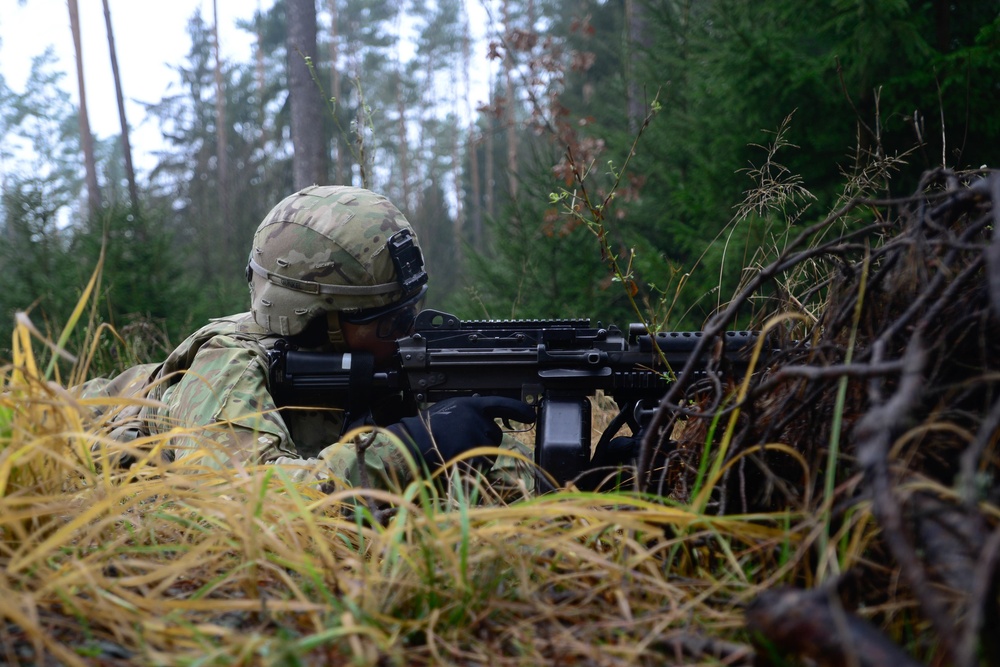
[(241, 326), (233, 331), (238, 323)]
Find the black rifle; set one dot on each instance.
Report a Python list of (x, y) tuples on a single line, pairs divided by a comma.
[(555, 365)]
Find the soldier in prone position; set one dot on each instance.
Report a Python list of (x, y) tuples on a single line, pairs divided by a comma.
[(331, 268)]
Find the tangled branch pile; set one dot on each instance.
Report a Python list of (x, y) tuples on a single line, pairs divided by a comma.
[(881, 398)]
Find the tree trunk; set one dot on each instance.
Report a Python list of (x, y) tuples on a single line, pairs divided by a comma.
[(259, 77), (489, 185), (133, 191), (456, 154), (340, 166), (404, 167), (473, 212), (942, 24), (309, 158), (86, 139), (221, 140), (511, 118), (637, 43)]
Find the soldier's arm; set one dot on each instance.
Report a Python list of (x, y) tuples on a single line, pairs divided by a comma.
[(223, 415)]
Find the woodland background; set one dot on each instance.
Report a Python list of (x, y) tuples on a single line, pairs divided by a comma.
[(719, 126), (809, 167)]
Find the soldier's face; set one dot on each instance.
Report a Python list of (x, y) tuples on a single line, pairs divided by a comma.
[(379, 336)]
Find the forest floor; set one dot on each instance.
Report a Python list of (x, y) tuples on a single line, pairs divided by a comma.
[(840, 505)]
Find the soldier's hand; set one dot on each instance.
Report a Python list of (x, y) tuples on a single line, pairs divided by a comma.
[(456, 425)]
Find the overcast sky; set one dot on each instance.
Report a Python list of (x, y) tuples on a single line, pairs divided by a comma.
[(150, 37)]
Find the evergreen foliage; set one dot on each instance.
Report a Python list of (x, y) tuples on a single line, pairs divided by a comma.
[(846, 87), (725, 97)]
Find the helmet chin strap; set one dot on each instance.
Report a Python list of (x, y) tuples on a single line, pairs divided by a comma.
[(334, 332)]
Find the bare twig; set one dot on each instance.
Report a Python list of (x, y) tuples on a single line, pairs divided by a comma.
[(874, 435), (983, 593)]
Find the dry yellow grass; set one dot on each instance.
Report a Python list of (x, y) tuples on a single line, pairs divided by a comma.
[(167, 564)]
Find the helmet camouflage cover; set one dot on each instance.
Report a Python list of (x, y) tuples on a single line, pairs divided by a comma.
[(330, 249)]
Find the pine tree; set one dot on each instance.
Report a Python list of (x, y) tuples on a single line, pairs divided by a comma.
[(185, 180)]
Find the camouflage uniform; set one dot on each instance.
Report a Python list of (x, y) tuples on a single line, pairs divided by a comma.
[(319, 253), (212, 393)]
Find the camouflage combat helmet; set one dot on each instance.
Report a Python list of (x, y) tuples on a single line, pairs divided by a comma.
[(331, 249)]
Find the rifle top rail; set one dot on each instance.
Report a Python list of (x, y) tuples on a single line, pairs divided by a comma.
[(436, 320), (438, 327)]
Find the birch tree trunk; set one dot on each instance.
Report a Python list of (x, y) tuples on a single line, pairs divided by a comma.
[(221, 139), (133, 190), (86, 139)]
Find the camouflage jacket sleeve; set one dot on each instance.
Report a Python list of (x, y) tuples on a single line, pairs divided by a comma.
[(210, 397), (220, 413)]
